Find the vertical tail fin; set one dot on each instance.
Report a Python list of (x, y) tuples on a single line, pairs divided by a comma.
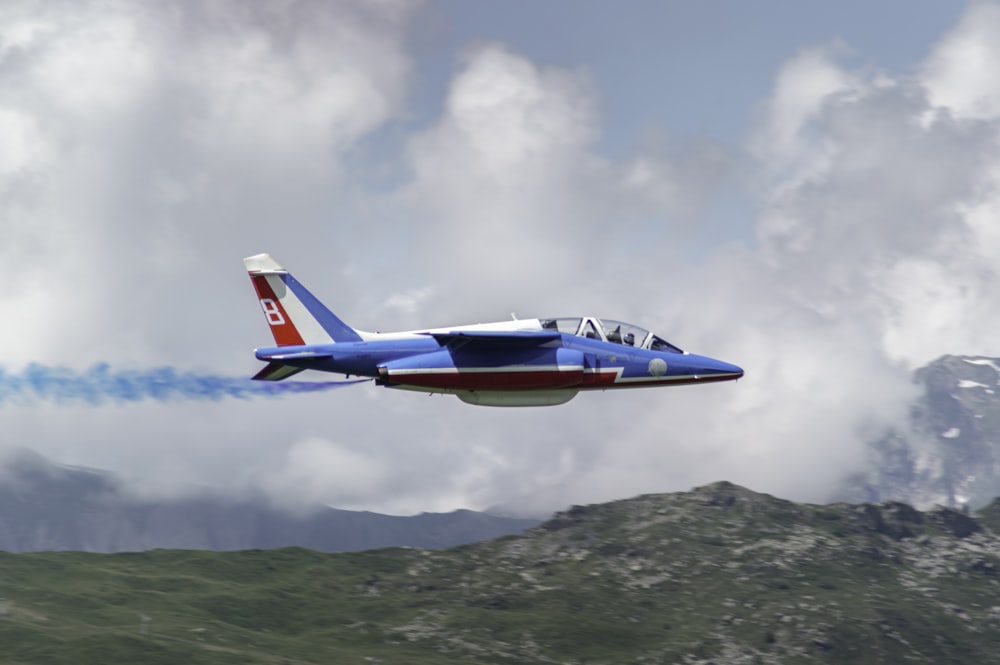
[(295, 315)]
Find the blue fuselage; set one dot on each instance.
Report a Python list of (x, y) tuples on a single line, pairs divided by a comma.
[(468, 363)]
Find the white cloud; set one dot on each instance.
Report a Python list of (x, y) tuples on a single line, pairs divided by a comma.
[(318, 470), (23, 146), (881, 221), (961, 71), (511, 208), (512, 115), (802, 88), (875, 255), (158, 143)]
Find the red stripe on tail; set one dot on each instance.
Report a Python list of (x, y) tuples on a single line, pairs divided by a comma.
[(284, 331)]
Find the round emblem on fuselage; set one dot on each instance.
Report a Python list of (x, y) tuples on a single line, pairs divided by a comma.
[(657, 367)]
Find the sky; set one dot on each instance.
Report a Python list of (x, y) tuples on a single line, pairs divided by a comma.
[(807, 191)]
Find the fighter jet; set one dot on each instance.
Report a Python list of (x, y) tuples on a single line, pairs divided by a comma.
[(521, 362)]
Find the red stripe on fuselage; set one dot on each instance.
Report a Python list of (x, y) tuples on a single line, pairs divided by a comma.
[(607, 379), (541, 380), (285, 333)]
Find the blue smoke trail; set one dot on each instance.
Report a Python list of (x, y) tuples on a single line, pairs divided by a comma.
[(101, 384)]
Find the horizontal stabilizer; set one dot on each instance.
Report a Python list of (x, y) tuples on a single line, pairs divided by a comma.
[(276, 354), (276, 372)]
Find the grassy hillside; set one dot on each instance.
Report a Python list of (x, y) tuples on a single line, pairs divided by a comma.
[(720, 575)]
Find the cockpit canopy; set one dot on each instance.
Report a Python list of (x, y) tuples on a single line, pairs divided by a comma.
[(616, 332)]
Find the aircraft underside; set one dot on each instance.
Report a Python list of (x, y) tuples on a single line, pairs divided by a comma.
[(520, 397), (501, 397)]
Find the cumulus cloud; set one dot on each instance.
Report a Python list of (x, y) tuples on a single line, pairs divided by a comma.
[(317, 467), (875, 253), (801, 89), (515, 199), (157, 144), (960, 72), (887, 229)]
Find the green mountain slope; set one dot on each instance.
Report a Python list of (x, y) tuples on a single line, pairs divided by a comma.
[(719, 574)]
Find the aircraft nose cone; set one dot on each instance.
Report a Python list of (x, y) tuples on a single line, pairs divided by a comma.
[(729, 368), (712, 369)]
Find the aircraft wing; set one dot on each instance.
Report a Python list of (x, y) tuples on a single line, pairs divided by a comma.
[(458, 338)]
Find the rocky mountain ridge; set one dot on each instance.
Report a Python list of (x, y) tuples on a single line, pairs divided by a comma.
[(720, 575)]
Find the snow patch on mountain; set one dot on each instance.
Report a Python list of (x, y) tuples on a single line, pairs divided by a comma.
[(989, 362), (966, 383)]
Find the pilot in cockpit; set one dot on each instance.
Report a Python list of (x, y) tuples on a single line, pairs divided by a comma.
[(629, 339)]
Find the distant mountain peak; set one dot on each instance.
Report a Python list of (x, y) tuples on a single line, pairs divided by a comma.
[(950, 451)]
